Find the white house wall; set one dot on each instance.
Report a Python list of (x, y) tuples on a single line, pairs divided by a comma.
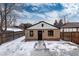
[(56, 35), (69, 30)]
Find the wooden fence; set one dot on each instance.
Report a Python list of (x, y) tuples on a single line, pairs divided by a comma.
[(70, 36), (10, 35)]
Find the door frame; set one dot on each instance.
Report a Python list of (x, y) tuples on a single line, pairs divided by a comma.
[(40, 35)]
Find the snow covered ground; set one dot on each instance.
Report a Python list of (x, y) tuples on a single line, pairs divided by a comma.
[(56, 48), (62, 48)]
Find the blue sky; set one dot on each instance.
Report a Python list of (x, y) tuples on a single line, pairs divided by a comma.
[(43, 8), (48, 12)]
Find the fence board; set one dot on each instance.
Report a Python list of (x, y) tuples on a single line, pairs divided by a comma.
[(70, 36), (10, 35)]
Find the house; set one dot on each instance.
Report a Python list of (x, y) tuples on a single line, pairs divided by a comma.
[(70, 32), (42, 31), (25, 25)]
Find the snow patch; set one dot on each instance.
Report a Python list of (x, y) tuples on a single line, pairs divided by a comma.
[(13, 29), (20, 48), (16, 47), (60, 45)]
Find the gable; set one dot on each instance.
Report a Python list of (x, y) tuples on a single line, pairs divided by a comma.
[(42, 25)]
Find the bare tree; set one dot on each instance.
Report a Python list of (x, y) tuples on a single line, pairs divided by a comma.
[(14, 21), (56, 23), (5, 9), (60, 23), (11, 20), (1, 17), (1, 21)]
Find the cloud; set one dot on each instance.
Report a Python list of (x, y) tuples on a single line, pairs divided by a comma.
[(26, 17), (48, 12), (71, 10)]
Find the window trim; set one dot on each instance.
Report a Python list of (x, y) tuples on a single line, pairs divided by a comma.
[(50, 33), (31, 33)]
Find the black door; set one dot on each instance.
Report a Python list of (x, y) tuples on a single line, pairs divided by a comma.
[(39, 35)]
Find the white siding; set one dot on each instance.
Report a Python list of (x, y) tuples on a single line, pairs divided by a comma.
[(69, 30), (78, 29), (74, 29), (61, 30)]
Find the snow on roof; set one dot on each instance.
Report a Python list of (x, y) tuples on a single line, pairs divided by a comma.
[(42, 25), (14, 29)]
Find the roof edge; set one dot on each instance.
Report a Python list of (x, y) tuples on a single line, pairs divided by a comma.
[(44, 22)]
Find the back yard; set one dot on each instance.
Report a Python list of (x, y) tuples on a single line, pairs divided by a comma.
[(56, 48)]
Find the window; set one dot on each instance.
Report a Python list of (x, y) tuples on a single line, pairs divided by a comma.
[(31, 33), (42, 25), (50, 32)]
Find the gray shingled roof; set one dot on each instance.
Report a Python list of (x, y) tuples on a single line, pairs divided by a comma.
[(71, 25)]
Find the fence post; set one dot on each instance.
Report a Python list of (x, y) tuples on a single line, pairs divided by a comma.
[(13, 35), (1, 38), (63, 33)]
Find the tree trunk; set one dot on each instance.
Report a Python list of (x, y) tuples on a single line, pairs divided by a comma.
[(5, 17), (1, 23)]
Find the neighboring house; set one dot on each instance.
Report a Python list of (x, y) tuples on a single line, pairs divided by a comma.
[(25, 26), (70, 32), (42, 31)]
